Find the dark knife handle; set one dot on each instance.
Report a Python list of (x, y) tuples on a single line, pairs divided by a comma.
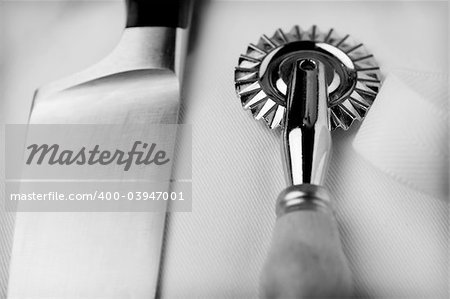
[(158, 13)]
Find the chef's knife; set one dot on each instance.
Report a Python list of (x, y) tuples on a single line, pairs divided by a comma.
[(106, 255)]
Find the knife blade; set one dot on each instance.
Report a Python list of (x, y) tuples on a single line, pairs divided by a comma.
[(106, 255)]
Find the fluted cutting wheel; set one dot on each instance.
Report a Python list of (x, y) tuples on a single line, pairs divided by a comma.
[(262, 74)]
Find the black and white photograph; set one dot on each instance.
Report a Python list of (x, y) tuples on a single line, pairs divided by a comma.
[(184, 149)]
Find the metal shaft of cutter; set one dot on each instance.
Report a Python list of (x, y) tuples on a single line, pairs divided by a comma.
[(306, 134)]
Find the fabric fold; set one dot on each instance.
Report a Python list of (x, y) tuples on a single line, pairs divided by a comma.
[(406, 132)]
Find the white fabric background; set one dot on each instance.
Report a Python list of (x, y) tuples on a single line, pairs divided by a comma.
[(410, 144), (394, 236)]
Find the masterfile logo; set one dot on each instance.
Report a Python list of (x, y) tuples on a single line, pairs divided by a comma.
[(141, 153), (97, 168), (93, 152)]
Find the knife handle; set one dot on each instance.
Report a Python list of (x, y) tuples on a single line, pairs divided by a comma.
[(158, 13), (306, 258)]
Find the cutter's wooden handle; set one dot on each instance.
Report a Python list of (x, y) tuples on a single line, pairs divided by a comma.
[(159, 13), (306, 258)]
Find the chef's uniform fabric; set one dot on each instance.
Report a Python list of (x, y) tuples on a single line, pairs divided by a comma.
[(392, 219), (394, 233)]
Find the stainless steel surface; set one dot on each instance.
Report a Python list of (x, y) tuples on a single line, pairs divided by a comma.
[(303, 197), (139, 49), (306, 138), (138, 83), (262, 74), (309, 83)]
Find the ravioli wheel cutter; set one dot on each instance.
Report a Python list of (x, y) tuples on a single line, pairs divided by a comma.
[(308, 83)]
